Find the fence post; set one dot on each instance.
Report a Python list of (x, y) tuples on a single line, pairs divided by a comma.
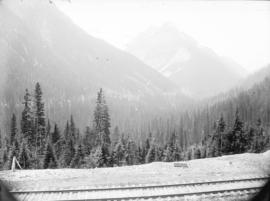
[(13, 166), (18, 163), (14, 162)]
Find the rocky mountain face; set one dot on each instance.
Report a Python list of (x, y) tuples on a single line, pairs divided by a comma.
[(38, 43), (197, 70)]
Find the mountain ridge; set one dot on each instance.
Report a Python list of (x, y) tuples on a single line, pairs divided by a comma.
[(192, 67), (70, 65)]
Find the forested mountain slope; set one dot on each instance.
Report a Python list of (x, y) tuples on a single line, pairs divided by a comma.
[(199, 122), (40, 44), (256, 77), (252, 104)]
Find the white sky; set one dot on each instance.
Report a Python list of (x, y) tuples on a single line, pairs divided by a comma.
[(236, 29)]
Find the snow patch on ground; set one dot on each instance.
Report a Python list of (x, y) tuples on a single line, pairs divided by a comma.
[(225, 167)]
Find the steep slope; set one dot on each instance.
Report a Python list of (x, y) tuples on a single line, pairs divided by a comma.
[(40, 44), (199, 71), (256, 77), (252, 104), (55, 44)]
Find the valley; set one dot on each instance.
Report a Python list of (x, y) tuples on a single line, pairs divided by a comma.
[(164, 116)]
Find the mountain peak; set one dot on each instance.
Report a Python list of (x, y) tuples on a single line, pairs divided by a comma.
[(176, 55)]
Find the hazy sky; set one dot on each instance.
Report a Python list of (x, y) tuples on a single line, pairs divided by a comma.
[(239, 30)]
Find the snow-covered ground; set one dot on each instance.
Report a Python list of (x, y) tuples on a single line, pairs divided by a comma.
[(225, 167)]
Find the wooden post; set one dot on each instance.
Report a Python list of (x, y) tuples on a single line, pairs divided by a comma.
[(14, 162), (13, 166), (18, 163)]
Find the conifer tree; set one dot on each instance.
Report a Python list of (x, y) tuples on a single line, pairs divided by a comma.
[(146, 147), (67, 131), (220, 135), (131, 156), (98, 157), (217, 140), (238, 138), (48, 129), (197, 153), (115, 136), (59, 148), (1, 141), (16, 146), (102, 121), (40, 123), (88, 162), (267, 143), (4, 158), (119, 153), (27, 121), (148, 142), (251, 139), (78, 159), (189, 154), (55, 135), (102, 127), (72, 130), (49, 159), (13, 130), (68, 153), (24, 158), (171, 152), (167, 155), (176, 155), (203, 151), (89, 140), (258, 140), (140, 155), (158, 154)]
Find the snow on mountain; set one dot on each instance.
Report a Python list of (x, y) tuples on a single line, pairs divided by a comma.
[(179, 57)]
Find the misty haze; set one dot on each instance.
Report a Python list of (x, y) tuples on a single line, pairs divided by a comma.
[(134, 100)]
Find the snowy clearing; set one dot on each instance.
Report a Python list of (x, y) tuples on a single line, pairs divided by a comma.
[(225, 167)]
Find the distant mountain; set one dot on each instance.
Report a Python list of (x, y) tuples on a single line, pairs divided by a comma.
[(256, 77), (198, 70), (38, 43)]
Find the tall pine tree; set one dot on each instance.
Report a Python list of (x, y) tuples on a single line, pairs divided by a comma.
[(78, 159), (40, 122), (217, 141), (119, 152), (55, 135), (49, 159), (102, 126), (68, 153), (13, 130), (238, 139), (24, 156), (221, 138), (27, 121), (48, 129)]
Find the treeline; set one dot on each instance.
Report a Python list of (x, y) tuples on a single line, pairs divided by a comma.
[(198, 123), (38, 144)]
